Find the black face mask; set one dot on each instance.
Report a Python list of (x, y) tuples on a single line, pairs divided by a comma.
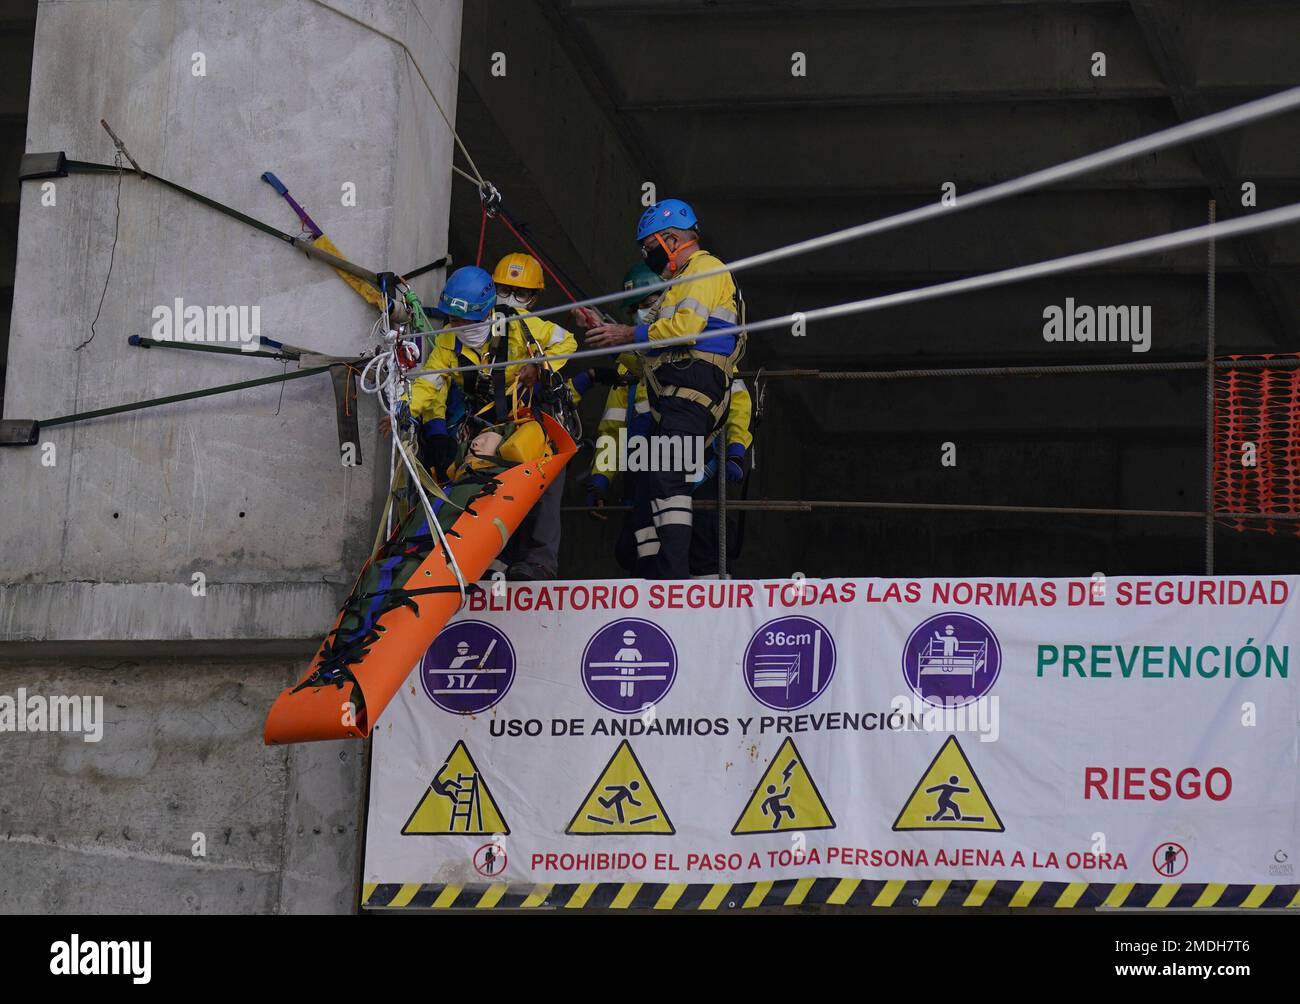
[(656, 259)]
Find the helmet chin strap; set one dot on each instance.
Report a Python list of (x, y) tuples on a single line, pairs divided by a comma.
[(672, 255)]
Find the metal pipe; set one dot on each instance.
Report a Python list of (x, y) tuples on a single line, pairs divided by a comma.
[(1289, 362), (720, 472), (1211, 274)]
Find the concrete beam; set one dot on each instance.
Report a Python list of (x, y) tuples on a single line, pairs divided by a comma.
[(883, 149), (1174, 33), (1028, 229), (166, 611), (871, 56), (111, 827), (246, 487), (97, 550)]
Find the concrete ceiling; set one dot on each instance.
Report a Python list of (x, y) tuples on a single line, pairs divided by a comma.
[(900, 97)]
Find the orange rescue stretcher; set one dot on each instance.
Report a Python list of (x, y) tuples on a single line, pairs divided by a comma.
[(407, 591)]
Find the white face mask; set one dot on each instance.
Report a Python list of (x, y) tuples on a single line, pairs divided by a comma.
[(474, 335), (518, 302), (650, 314)]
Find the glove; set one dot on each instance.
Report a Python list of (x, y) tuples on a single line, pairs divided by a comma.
[(606, 375), (442, 454), (735, 463), (581, 383)]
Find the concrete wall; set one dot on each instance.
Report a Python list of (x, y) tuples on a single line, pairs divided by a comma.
[(97, 551)]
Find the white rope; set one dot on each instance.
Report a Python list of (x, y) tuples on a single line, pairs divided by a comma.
[(1229, 118), (477, 178), (385, 377), (1053, 266)]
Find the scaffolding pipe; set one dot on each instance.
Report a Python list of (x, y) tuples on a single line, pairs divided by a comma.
[(1211, 270), (1289, 362)]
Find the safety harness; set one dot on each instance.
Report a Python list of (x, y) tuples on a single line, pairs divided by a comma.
[(727, 363)]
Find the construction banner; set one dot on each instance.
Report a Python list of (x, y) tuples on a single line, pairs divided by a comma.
[(930, 742)]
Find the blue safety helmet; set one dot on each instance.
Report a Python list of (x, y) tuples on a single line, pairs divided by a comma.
[(664, 214), (470, 293)]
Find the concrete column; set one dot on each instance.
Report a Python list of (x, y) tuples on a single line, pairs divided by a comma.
[(101, 543)]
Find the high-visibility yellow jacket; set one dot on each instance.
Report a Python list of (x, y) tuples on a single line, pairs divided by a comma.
[(638, 422), (695, 308), (525, 335)]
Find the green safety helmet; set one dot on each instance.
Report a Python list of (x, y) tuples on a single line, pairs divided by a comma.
[(637, 276)]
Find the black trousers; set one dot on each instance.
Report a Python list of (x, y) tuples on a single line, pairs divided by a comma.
[(663, 505)]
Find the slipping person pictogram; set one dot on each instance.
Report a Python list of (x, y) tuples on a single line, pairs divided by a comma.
[(621, 801), (621, 793), (949, 796), (945, 807)]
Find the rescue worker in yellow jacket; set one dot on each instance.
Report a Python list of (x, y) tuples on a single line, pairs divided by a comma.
[(688, 384), (454, 407)]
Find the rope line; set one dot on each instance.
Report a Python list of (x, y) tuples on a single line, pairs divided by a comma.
[(477, 177), (1269, 219), (541, 259), (1208, 125), (386, 379)]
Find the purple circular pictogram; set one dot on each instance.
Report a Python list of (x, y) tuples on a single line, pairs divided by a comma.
[(628, 665), (468, 668), (951, 660), (789, 662)]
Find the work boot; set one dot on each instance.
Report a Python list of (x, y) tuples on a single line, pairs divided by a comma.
[(524, 571)]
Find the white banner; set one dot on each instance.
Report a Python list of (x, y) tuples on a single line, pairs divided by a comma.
[(1113, 731)]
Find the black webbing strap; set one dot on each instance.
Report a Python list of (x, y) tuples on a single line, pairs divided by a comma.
[(57, 165)]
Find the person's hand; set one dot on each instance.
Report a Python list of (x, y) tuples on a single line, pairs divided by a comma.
[(584, 317), (528, 374), (604, 335), (386, 425), (735, 472)]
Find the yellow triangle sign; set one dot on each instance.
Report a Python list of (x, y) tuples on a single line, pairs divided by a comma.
[(949, 796), (785, 798), (457, 801), (621, 801)]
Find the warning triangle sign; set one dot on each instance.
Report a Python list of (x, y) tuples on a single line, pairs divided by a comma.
[(621, 801), (785, 798), (457, 801), (949, 796)]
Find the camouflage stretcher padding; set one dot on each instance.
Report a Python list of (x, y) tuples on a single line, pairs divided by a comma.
[(406, 593)]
